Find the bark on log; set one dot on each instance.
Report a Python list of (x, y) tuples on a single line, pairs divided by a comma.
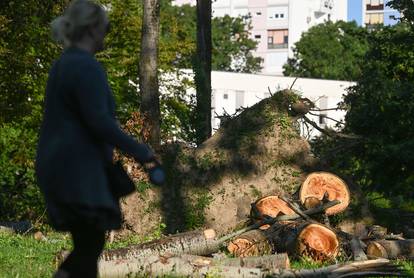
[(191, 265), (378, 267), (304, 239), (179, 265), (194, 242), (357, 250), (319, 183), (271, 206), (16, 227), (251, 243), (391, 249), (155, 266)]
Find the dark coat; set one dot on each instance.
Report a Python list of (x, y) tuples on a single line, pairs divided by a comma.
[(78, 134)]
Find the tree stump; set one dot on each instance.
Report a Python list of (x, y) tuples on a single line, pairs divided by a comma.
[(391, 249), (251, 243), (308, 239), (272, 206), (319, 183)]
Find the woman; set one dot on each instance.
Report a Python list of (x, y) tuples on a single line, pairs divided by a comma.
[(77, 137)]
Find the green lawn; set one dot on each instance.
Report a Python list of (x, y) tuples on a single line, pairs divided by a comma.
[(23, 256)]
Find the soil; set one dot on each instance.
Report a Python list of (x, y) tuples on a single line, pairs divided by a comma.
[(254, 154)]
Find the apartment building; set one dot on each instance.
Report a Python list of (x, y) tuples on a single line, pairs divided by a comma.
[(370, 13), (279, 24)]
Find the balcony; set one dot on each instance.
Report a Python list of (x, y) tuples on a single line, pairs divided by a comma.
[(277, 46)]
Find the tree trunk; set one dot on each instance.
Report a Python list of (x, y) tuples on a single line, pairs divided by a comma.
[(271, 206), (176, 265), (318, 184), (157, 266), (251, 243), (193, 266), (304, 239), (194, 242), (148, 67), (391, 249), (202, 70)]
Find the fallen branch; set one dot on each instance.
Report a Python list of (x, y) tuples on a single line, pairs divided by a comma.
[(194, 242)]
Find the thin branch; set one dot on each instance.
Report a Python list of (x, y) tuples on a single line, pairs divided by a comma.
[(327, 109), (294, 81), (326, 117), (328, 132)]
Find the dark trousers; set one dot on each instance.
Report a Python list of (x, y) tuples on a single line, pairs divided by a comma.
[(88, 244)]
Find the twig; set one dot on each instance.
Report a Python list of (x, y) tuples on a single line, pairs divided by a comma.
[(330, 133), (294, 81), (295, 208), (326, 117)]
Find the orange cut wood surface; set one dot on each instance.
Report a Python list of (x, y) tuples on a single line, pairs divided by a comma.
[(272, 206), (318, 242), (316, 184)]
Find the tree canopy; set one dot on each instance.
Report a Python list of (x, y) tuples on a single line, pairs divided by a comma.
[(333, 50)]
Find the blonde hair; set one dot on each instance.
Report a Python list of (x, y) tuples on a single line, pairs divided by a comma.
[(72, 25)]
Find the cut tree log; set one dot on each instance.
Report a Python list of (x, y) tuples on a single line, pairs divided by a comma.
[(251, 243), (308, 239), (156, 266), (176, 265), (318, 183), (194, 242), (271, 221), (391, 249), (272, 206)]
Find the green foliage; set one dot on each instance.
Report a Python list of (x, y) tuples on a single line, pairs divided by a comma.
[(381, 109), (329, 51), (26, 53), (194, 214), (407, 9), (232, 47), (19, 195)]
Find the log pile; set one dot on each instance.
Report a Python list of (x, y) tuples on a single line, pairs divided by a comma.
[(282, 229)]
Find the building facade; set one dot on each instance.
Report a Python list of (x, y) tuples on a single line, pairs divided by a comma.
[(232, 91), (278, 24), (372, 12)]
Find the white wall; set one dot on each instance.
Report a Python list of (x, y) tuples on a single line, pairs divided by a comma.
[(256, 87)]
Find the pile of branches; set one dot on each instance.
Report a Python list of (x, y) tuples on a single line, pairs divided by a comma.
[(282, 229)]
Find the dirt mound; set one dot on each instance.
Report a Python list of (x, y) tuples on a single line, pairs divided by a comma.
[(256, 153)]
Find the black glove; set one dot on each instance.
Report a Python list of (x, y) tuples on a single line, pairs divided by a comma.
[(155, 172)]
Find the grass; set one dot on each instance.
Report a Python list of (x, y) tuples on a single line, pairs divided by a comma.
[(23, 256)]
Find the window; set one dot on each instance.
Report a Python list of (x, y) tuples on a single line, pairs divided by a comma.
[(374, 18), (225, 96), (258, 13), (257, 36), (282, 15), (276, 15), (277, 38)]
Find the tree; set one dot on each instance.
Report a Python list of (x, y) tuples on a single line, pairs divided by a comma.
[(329, 51), (202, 70), (406, 7), (148, 70), (381, 109)]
